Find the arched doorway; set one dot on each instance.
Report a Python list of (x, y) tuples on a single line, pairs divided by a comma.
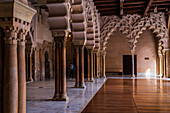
[(47, 66)]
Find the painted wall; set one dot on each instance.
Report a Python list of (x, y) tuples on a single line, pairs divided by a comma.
[(118, 46)]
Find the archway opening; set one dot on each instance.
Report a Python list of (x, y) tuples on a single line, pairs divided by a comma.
[(117, 46), (147, 52)]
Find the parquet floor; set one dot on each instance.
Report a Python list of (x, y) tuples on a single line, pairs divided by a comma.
[(131, 96)]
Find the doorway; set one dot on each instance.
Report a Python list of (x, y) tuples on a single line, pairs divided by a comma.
[(127, 64)]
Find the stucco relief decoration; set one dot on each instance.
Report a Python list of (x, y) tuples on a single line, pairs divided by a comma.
[(132, 26)]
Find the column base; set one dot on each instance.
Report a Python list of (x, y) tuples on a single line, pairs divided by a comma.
[(133, 76), (76, 85), (90, 80), (82, 86), (62, 97), (56, 96)]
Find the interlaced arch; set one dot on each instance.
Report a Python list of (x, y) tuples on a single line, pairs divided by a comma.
[(132, 26)]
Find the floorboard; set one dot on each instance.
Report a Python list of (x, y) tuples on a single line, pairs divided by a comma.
[(131, 96)]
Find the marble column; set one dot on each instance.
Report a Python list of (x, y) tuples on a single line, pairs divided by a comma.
[(77, 67), (104, 65), (81, 72), (133, 63), (21, 74), (91, 66), (10, 87)]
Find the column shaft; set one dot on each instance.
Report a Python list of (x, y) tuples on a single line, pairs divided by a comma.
[(21, 78), (81, 85), (88, 66), (104, 65), (97, 65), (101, 66), (77, 67), (10, 90), (164, 64), (160, 65), (133, 64), (63, 72), (57, 73), (94, 64), (30, 66), (91, 76), (167, 64)]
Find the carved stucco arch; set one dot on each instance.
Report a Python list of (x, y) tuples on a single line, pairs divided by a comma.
[(90, 10), (59, 15), (133, 25), (154, 22), (124, 25), (78, 16)]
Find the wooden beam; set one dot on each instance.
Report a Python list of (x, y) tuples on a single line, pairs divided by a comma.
[(147, 8), (121, 7), (168, 12)]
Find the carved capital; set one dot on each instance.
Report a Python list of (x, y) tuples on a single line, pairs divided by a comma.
[(11, 35)]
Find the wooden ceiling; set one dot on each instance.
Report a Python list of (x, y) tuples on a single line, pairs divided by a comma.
[(142, 7)]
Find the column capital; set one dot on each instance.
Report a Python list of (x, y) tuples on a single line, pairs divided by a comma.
[(132, 52), (11, 35)]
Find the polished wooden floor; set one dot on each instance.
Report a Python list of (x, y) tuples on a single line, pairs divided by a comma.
[(131, 96)]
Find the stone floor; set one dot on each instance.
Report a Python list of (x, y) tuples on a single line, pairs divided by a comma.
[(39, 95)]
